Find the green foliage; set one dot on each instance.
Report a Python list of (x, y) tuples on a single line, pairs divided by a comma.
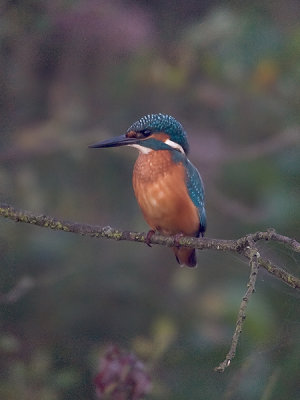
[(74, 72)]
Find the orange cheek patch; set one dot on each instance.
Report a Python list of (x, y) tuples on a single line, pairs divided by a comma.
[(131, 134), (160, 136)]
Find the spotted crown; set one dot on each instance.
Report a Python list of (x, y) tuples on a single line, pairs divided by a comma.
[(162, 123)]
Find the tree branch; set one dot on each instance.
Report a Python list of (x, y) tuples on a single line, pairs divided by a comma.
[(240, 246), (245, 246), (253, 256)]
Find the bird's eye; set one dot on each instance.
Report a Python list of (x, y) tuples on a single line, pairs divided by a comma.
[(146, 132)]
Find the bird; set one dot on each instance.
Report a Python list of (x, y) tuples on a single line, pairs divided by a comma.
[(167, 186)]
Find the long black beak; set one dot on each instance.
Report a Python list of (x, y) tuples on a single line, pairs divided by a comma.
[(115, 142)]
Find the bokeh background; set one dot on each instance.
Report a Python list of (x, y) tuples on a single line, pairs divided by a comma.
[(73, 72)]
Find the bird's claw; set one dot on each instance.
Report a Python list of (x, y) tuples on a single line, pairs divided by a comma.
[(177, 237), (148, 237)]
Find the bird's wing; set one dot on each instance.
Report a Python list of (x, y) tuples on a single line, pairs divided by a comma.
[(196, 192)]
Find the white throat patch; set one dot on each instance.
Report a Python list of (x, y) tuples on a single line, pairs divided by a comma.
[(141, 149), (174, 145), (146, 150)]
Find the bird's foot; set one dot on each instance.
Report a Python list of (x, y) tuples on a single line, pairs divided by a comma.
[(177, 237), (148, 237)]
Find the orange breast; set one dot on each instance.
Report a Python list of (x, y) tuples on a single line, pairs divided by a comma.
[(159, 186)]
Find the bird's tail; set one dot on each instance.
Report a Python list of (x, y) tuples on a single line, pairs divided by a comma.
[(185, 256)]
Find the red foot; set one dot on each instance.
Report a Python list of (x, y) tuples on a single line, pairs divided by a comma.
[(176, 239), (149, 236)]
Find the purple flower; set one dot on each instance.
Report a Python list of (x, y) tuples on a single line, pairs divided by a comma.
[(122, 376)]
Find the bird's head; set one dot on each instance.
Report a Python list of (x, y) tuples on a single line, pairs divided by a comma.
[(151, 132)]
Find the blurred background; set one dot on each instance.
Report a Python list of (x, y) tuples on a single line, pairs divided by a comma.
[(73, 72)]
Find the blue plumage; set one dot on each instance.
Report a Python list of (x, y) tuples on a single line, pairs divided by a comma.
[(194, 185), (196, 191), (162, 123)]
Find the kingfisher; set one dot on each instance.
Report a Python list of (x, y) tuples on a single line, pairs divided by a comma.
[(167, 186)]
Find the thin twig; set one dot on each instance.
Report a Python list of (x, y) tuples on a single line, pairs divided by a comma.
[(242, 310), (271, 234)]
